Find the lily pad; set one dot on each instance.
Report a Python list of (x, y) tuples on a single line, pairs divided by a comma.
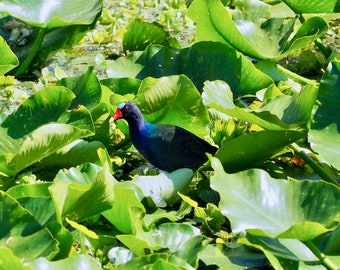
[(140, 34), (254, 201), (52, 14), (324, 135), (262, 38)]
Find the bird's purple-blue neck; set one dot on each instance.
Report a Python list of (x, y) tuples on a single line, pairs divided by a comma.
[(137, 124)]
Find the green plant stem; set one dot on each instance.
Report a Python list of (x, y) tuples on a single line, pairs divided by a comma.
[(315, 166), (322, 257), (326, 51), (296, 77), (35, 48)]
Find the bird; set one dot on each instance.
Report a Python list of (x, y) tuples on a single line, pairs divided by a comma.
[(167, 147)]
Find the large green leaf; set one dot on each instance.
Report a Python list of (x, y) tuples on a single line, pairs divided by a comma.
[(250, 28), (39, 127), (60, 24), (21, 232), (200, 62), (86, 87), (121, 86), (218, 92), (36, 199), (295, 109), (77, 262), (182, 240), (45, 140), (249, 150), (164, 186), (140, 34), (8, 59), (254, 201), (52, 14), (324, 135), (73, 154), (45, 106), (217, 96), (82, 192), (120, 213)]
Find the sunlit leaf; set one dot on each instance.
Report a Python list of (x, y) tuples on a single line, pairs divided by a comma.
[(188, 200), (73, 154), (21, 232), (251, 30), (77, 262), (296, 109), (19, 154), (8, 59), (120, 255), (277, 208), (9, 261), (82, 192), (39, 127), (182, 240), (324, 135), (45, 106), (140, 34), (165, 185), (86, 88), (119, 214), (218, 92), (36, 199), (52, 14)]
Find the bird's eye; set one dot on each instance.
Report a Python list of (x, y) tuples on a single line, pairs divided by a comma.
[(126, 108)]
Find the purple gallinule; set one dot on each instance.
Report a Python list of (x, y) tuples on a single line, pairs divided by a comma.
[(167, 147)]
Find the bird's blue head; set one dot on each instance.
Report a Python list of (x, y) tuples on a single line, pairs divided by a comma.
[(127, 110)]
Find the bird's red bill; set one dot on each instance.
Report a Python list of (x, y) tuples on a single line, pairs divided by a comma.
[(117, 115)]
